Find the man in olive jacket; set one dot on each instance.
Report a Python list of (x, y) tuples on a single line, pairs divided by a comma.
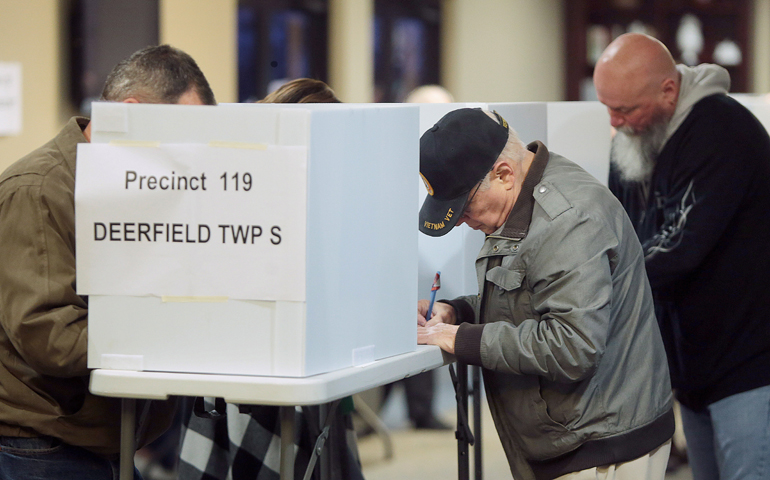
[(51, 426), (573, 362)]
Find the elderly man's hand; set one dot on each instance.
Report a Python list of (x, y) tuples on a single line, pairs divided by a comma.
[(439, 334), (442, 313)]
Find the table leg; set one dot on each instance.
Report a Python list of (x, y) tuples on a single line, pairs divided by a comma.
[(326, 414), (127, 439), (462, 407), (325, 465), (477, 453), (287, 443), (370, 417)]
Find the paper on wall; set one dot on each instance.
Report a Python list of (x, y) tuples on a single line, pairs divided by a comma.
[(10, 98)]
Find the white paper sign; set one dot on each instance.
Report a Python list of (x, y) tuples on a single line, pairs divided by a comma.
[(191, 220), (10, 98)]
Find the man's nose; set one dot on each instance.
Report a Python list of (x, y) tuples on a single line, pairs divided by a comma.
[(617, 120)]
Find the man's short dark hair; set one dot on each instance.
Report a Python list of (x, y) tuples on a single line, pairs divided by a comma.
[(157, 74)]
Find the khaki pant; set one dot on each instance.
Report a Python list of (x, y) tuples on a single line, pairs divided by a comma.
[(647, 467)]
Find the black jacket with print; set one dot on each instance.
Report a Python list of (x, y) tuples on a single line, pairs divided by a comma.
[(705, 230)]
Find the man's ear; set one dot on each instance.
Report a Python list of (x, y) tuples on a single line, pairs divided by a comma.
[(670, 91), (131, 100), (504, 173)]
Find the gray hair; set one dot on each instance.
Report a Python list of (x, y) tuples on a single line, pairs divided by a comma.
[(157, 74), (513, 151)]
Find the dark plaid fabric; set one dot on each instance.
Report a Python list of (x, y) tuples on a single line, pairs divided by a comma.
[(247, 446)]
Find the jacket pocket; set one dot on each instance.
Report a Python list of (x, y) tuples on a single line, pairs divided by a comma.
[(526, 414), (506, 279), (510, 300), (32, 446)]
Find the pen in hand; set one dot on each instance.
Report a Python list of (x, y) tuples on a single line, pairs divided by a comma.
[(433, 289)]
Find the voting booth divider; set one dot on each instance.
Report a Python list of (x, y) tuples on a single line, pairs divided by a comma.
[(275, 239), (759, 105), (248, 239)]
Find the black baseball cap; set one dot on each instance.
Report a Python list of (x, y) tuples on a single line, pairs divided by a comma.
[(455, 155)]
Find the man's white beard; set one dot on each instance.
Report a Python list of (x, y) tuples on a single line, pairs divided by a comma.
[(634, 154)]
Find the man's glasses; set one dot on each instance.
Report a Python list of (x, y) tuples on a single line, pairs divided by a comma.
[(470, 198)]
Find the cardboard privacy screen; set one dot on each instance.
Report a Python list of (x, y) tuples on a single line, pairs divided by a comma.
[(248, 239)]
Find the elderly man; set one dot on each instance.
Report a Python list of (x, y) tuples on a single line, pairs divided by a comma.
[(51, 426), (692, 168), (564, 327)]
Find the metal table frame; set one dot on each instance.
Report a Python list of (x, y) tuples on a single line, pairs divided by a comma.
[(285, 392)]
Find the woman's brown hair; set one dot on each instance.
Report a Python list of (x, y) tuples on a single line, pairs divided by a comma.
[(302, 90)]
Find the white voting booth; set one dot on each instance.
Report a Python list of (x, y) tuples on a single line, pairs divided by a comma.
[(187, 280), (248, 239), (579, 131), (759, 105), (254, 242)]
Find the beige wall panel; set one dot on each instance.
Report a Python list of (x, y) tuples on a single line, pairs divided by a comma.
[(351, 55), (503, 50), (207, 30), (760, 71), (30, 34)]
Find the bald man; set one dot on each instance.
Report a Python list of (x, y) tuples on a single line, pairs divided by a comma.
[(692, 169), (429, 94)]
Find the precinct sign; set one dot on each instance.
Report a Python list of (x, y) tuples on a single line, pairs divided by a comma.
[(191, 220)]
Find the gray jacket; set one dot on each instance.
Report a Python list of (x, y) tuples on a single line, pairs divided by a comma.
[(574, 366)]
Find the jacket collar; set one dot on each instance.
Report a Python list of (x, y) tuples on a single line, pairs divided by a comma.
[(696, 84), (68, 139), (517, 224)]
